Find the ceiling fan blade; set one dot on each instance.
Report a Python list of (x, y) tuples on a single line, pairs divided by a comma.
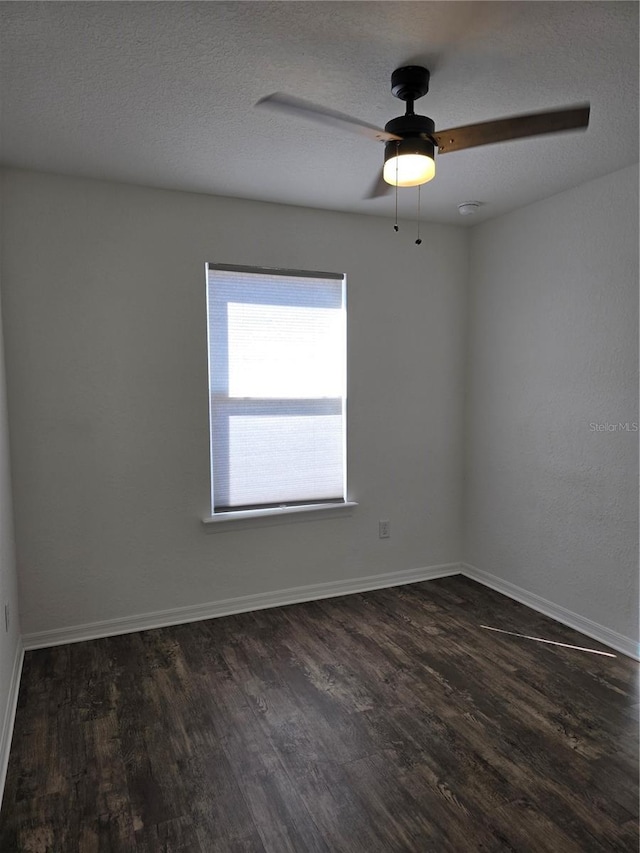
[(306, 109), (514, 127), (379, 188)]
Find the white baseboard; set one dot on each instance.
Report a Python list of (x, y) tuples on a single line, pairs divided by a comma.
[(293, 595), (10, 715), (567, 617), (229, 606)]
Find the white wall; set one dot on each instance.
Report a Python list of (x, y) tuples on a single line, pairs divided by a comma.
[(551, 505), (10, 647), (107, 376)]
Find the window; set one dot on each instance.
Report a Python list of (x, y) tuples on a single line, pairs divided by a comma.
[(277, 388)]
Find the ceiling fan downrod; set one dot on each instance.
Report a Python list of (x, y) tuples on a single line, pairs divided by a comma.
[(408, 84)]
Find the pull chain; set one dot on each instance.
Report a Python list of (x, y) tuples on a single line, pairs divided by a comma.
[(418, 241), (395, 227)]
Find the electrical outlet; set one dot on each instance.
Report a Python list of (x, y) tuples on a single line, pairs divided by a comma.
[(6, 618), (384, 530)]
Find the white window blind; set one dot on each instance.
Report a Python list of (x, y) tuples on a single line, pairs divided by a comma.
[(277, 381)]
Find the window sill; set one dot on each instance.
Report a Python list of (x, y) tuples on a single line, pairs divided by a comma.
[(273, 513)]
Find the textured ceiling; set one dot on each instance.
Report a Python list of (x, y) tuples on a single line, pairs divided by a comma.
[(162, 94)]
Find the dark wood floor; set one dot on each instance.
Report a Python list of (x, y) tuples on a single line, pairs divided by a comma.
[(388, 721)]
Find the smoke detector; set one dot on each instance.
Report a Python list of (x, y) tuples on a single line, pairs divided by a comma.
[(468, 208)]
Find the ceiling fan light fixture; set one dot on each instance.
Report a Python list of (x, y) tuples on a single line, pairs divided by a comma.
[(409, 162), (410, 140)]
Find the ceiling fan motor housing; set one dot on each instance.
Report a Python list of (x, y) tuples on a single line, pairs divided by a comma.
[(411, 125), (416, 132)]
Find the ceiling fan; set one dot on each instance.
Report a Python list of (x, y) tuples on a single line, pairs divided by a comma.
[(410, 140)]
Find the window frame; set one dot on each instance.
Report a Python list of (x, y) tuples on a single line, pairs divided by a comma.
[(298, 405)]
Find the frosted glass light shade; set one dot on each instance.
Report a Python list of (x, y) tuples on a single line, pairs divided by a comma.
[(409, 162), (409, 170)]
